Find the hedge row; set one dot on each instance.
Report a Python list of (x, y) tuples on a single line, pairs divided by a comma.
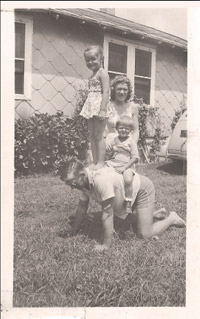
[(43, 142)]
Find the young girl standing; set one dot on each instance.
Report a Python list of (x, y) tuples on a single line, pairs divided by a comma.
[(95, 108)]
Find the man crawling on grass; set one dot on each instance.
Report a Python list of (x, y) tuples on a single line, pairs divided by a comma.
[(106, 186)]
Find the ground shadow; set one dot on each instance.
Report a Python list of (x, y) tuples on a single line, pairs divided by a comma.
[(174, 168), (92, 227)]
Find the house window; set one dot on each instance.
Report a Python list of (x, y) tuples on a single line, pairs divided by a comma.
[(19, 57), (142, 79), (23, 53), (134, 60), (117, 59)]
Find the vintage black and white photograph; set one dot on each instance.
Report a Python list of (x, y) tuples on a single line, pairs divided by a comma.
[(100, 156)]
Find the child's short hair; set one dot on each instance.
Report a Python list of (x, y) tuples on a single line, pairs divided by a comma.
[(126, 121), (73, 166), (98, 49)]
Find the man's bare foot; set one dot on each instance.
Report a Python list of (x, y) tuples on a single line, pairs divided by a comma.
[(101, 248), (177, 221), (160, 213)]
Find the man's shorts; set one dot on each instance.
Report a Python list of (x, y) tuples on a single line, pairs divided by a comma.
[(146, 194)]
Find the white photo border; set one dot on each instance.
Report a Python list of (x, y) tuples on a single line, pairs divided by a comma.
[(192, 308)]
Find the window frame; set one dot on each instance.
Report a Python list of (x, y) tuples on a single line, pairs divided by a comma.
[(28, 21), (131, 46)]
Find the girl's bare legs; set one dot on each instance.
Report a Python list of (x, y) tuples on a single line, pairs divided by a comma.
[(91, 128), (99, 127), (147, 228)]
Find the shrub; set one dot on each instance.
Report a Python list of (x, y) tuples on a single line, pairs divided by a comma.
[(175, 119), (43, 141), (155, 145), (144, 112)]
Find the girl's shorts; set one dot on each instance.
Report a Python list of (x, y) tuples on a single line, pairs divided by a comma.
[(146, 194)]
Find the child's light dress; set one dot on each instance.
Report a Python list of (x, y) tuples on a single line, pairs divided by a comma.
[(92, 104), (122, 152)]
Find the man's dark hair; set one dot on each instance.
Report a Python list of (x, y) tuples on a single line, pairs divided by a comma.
[(72, 166)]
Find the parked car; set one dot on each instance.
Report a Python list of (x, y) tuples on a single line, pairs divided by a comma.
[(177, 147)]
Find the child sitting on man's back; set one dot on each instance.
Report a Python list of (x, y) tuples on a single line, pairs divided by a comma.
[(124, 156)]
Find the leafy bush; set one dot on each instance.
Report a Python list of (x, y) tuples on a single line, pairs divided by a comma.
[(144, 112), (155, 145), (175, 119), (43, 141)]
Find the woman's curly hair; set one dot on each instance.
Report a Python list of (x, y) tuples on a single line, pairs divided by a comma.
[(120, 79)]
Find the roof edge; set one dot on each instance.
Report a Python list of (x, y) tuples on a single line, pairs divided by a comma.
[(161, 38)]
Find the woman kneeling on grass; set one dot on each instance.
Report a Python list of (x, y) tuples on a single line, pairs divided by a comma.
[(106, 186)]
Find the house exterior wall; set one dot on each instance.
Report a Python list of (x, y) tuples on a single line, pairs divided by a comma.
[(170, 84), (58, 66), (59, 70)]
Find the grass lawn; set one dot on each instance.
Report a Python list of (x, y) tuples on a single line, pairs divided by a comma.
[(54, 270)]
